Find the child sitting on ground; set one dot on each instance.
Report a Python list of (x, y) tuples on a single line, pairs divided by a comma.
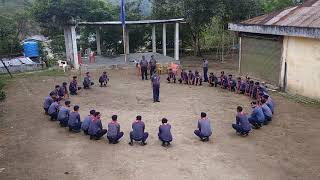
[(231, 83), (87, 81), (242, 125), (54, 109), (197, 78), (74, 122), (171, 76), (86, 122), (183, 77), (213, 80), (73, 87), (103, 80), (63, 91), (63, 115), (95, 128), (48, 101), (190, 78), (165, 132)]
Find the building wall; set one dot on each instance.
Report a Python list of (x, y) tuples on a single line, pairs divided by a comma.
[(302, 56)]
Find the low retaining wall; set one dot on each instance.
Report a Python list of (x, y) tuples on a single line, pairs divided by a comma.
[(22, 68)]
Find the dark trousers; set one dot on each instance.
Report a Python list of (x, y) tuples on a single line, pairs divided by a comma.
[(163, 141), (198, 133), (103, 83), (143, 139), (183, 80), (152, 69), (64, 122), (115, 139), (144, 73), (85, 132), (239, 129), (75, 128), (205, 74), (198, 81), (173, 78), (255, 122), (46, 110), (267, 120), (54, 116), (156, 92), (99, 134), (73, 92)]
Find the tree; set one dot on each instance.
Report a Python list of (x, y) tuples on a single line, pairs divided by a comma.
[(198, 14), (275, 5), (9, 37)]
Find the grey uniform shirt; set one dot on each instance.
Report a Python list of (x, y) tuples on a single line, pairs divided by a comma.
[(204, 126)]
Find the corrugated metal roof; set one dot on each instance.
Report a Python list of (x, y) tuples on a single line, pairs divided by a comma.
[(305, 15)]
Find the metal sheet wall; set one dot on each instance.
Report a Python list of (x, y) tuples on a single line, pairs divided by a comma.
[(261, 58)]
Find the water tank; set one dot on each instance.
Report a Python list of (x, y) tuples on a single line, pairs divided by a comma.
[(31, 49)]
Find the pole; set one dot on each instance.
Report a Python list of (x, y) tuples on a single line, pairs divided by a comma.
[(164, 40), (176, 42), (154, 40), (6, 68), (124, 43)]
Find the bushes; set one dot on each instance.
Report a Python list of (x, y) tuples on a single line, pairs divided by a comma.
[(2, 93)]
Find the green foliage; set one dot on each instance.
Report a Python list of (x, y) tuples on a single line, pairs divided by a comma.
[(2, 95), (9, 40), (275, 5)]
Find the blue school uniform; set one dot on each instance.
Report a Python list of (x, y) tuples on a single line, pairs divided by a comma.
[(74, 121), (63, 115), (257, 115), (47, 102), (267, 112), (242, 124), (165, 133), (204, 128), (86, 123)]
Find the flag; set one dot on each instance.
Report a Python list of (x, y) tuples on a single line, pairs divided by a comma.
[(123, 12)]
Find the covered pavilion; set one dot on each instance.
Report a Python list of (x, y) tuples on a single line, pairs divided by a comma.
[(71, 37)]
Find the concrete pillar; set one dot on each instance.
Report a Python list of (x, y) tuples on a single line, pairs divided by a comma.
[(98, 42), (66, 43), (240, 54), (164, 40), (127, 41), (74, 48), (176, 42), (154, 45), (70, 44)]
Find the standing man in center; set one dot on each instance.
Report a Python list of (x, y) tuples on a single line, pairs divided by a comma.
[(144, 68), (155, 82), (152, 65), (205, 69)]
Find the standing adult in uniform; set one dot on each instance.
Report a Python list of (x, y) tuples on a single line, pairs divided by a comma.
[(144, 68), (205, 69), (152, 64), (155, 82)]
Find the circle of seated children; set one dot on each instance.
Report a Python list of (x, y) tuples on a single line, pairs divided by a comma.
[(263, 109)]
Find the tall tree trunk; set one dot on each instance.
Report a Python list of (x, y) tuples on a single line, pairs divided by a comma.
[(222, 46), (194, 44)]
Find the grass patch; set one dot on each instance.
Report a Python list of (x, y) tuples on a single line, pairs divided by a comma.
[(301, 99), (5, 78)]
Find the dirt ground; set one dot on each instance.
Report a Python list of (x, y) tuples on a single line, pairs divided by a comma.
[(32, 147)]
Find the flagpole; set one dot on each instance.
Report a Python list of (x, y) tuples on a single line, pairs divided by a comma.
[(124, 42), (123, 21)]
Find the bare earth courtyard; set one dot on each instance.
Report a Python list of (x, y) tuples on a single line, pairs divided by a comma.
[(32, 147)]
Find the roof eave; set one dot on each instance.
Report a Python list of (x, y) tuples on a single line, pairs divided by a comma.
[(166, 21), (308, 32)]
